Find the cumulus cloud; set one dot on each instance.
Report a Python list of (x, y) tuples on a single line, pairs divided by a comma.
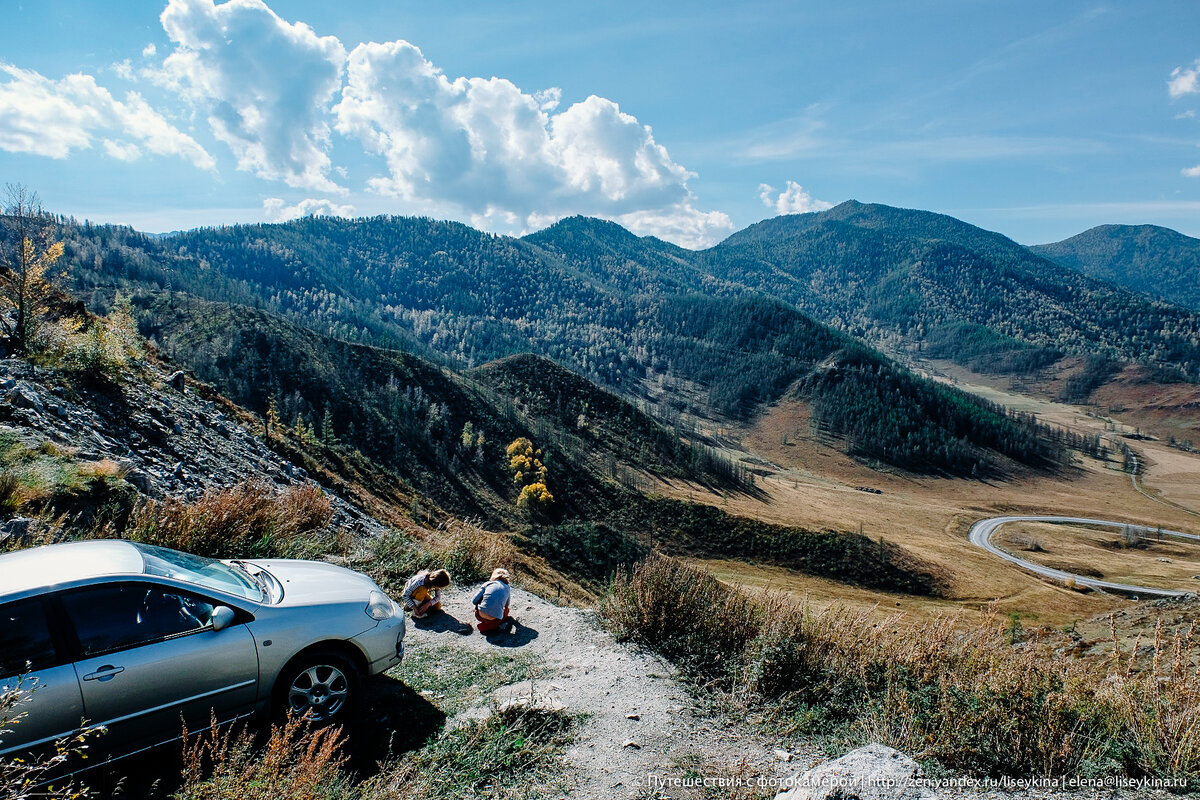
[(1184, 80), (792, 200), (265, 83), (51, 118), (277, 210), (500, 154), (1191, 172)]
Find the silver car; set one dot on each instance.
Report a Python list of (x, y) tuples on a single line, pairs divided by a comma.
[(142, 640)]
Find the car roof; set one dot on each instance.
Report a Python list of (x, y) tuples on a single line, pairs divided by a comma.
[(38, 567)]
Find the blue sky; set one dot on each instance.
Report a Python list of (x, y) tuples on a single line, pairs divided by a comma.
[(684, 120)]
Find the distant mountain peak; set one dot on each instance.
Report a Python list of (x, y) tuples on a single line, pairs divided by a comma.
[(1156, 261)]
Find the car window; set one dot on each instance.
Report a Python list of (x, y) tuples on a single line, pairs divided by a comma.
[(120, 616), (25, 641)]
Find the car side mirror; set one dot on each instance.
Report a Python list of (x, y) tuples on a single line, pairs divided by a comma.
[(222, 618)]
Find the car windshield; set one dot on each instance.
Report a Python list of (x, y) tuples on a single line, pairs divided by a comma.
[(199, 570)]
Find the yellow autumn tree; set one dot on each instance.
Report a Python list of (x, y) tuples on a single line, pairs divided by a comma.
[(27, 258), (529, 473)]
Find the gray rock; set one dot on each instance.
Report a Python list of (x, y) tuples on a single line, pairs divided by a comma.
[(178, 380), (16, 529), (140, 480), (874, 772), (24, 396)]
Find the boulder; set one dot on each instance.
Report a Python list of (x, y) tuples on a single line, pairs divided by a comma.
[(874, 772), (16, 530), (178, 380), (25, 396), (140, 480)]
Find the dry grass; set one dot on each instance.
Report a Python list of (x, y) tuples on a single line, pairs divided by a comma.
[(297, 763), (249, 520), (987, 698), (514, 753), (1098, 552), (462, 547)]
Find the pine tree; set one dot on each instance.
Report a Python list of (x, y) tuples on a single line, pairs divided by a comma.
[(328, 436)]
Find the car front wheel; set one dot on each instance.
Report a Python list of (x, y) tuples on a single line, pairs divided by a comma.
[(319, 686)]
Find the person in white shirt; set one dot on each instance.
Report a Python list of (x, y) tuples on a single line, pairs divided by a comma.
[(491, 604)]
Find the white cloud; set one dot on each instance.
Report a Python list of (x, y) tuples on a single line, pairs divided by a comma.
[(486, 147), (265, 83), (122, 151), (792, 200), (1192, 172), (276, 209), (548, 99), (149, 51), (1184, 80), (681, 224), (124, 70), (51, 118)]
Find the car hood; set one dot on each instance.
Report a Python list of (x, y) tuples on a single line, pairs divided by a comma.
[(315, 582)]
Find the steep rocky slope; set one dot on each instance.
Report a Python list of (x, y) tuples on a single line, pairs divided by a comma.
[(155, 433)]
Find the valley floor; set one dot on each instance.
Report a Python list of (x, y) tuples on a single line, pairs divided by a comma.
[(808, 482)]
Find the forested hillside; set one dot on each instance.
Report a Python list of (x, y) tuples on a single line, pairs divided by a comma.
[(875, 270), (624, 311), (1157, 261), (378, 416)]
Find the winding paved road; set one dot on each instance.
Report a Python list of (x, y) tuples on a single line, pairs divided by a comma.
[(981, 535)]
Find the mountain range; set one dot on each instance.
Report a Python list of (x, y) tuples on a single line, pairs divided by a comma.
[(1156, 261)]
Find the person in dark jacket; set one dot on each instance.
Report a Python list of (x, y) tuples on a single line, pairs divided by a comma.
[(491, 604)]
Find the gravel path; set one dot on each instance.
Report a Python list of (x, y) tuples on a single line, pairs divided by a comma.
[(638, 722)]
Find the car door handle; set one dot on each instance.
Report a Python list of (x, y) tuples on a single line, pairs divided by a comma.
[(107, 672)]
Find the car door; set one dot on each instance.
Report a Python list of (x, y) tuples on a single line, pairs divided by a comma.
[(44, 703), (152, 662)]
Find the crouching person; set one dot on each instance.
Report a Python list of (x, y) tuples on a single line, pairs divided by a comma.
[(422, 593), (491, 604)]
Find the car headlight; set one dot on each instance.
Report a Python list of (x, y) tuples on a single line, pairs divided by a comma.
[(380, 606)]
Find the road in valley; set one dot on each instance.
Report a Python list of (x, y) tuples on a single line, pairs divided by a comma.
[(981, 536)]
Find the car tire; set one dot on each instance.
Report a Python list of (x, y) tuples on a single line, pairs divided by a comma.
[(320, 686)]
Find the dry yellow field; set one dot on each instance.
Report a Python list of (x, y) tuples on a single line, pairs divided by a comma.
[(810, 483), (1168, 563)]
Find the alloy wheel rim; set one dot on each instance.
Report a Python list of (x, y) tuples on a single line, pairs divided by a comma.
[(319, 692)]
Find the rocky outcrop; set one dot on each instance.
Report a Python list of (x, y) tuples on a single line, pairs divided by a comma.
[(165, 438), (874, 772)]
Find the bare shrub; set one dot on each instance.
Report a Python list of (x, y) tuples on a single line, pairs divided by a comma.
[(248, 520), (26, 778), (298, 762)]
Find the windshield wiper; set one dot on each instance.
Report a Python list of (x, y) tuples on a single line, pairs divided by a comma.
[(259, 581)]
